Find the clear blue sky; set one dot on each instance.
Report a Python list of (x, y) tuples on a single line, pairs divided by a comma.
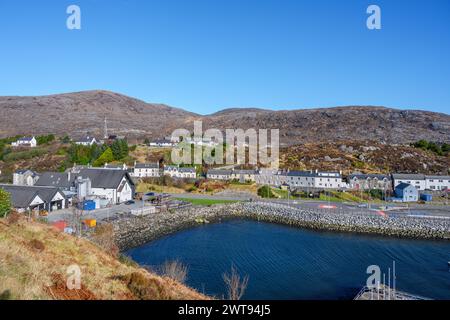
[(205, 55)]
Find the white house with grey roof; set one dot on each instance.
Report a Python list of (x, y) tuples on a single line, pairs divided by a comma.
[(114, 186), (416, 180), (180, 172), (146, 170), (359, 181), (25, 142), (25, 178), (437, 183), (219, 174), (315, 179), (86, 141), (24, 198)]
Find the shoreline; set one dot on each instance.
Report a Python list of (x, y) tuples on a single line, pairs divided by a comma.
[(131, 232)]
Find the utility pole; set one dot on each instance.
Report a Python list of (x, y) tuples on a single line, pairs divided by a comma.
[(106, 130)]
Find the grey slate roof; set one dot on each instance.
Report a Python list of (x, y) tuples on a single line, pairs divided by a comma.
[(22, 196), (55, 179), (85, 139), (438, 177), (365, 176), (300, 174), (403, 186), (245, 171), (409, 176), (146, 165), (101, 178), (220, 172)]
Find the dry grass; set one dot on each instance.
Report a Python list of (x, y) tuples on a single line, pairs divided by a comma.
[(34, 259)]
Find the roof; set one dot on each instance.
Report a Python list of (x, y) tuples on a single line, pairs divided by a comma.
[(147, 165), (101, 178), (403, 186), (187, 169), (300, 174), (55, 179), (22, 196), (410, 176), (366, 176), (245, 171), (438, 177), (26, 139), (86, 139), (23, 171), (220, 172)]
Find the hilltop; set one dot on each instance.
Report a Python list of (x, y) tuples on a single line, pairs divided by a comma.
[(35, 258), (83, 112)]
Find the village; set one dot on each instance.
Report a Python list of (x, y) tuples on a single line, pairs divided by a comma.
[(90, 188)]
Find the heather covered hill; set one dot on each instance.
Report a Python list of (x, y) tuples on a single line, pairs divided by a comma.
[(84, 112)]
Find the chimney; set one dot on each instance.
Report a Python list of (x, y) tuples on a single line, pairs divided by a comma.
[(68, 175)]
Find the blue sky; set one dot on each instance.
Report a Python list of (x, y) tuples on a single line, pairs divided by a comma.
[(205, 55)]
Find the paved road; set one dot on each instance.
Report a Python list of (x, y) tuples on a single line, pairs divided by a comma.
[(414, 210)]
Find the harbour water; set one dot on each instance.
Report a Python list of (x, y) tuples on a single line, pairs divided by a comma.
[(290, 263)]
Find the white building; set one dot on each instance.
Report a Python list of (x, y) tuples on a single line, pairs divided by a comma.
[(113, 186), (25, 178), (219, 174), (180, 172), (316, 180), (146, 170), (358, 181), (162, 143), (24, 198), (271, 177), (25, 142), (86, 141), (243, 175), (417, 180), (437, 183)]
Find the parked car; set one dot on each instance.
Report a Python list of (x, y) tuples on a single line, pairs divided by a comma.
[(129, 202)]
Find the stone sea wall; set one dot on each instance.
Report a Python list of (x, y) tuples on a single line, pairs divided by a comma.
[(134, 231)]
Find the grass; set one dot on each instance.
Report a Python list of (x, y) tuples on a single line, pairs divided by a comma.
[(206, 202), (35, 260)]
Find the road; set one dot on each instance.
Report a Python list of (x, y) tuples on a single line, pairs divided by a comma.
[(424, 211)]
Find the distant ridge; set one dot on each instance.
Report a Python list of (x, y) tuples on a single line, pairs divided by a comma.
[(79, 113)]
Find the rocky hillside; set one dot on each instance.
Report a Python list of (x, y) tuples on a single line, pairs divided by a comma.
[(365, 157), (35, 257), (82, 112)]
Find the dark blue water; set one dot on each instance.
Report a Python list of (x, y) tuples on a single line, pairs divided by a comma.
[(290, 263)]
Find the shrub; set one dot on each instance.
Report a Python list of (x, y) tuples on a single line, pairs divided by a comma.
[(5, 203), (144, 288), (266, 192), (174, 270)]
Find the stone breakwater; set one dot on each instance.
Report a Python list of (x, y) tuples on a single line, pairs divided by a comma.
[(134, 231)]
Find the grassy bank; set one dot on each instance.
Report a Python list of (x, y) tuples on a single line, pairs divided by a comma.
[(35, 259), (206, 202)]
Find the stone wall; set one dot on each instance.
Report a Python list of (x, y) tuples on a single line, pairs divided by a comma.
[(134, 231)]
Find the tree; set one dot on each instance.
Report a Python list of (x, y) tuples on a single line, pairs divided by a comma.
[(107, 156), (5, 203), (146, 141)]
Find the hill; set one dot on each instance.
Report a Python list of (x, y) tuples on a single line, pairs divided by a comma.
[(84, 112), (35, 258)]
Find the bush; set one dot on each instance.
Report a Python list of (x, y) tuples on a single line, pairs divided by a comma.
[(266, 192), (174, 270), (5, 203), (24, 155), (144, 288)]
